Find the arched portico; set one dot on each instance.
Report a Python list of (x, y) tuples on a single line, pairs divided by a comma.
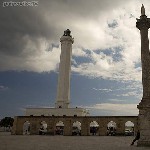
[(59, 130), (76, 128), (111, 128), (26, 128), (94, 128), (65, 124)]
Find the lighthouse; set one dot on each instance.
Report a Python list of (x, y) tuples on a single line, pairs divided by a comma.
[(62, 102), (63, 88)]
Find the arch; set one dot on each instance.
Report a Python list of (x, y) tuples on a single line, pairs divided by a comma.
[(76, 128), (26, 128), (59, 130), (43, 128), (94, 127), (129, 128), (111, 128)]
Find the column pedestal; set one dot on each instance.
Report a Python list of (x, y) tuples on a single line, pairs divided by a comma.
[(144, 122)]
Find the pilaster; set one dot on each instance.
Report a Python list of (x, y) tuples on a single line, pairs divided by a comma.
[(85, 127), (34, 128), (14, 128), (102, 128), (51, 127), (68, 127), (120, 127)]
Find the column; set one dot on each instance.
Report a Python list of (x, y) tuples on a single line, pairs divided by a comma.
[(68, 127), (14, 128), (85, 127), (143, 24), (120, 127), (34, 127), (102, 128), (51, 127)]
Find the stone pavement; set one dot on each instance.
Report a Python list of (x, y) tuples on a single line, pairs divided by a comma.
[(37, 142)]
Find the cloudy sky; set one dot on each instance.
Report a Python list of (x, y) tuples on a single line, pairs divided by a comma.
[(106, 65)]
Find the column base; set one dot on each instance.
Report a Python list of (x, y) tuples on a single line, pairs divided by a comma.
[(142, 143), (144, 122)]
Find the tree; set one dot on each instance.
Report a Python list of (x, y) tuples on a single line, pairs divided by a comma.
[(7, 122)]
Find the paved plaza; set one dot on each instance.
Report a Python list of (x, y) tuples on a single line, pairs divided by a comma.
[(37, 142)]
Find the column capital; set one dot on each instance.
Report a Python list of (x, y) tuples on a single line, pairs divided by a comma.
[(144, 104), (67, 38), (143, 23)]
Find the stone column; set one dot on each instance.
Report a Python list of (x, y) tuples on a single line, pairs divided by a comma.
[(18, 126), (102, 128), (63, 89), (120, 127), (85, 127), (51, 127), (34, 127), (68, 127), (143, 24), (14, 128)]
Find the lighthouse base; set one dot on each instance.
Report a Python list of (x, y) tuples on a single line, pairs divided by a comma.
[(56, 112)]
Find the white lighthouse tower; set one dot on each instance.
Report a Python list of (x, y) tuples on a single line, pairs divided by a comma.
[(63, 89)]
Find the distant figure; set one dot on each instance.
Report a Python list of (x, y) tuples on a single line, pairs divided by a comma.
[(136, 138)]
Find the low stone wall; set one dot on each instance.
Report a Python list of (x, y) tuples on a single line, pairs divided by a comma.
[(35, 122)]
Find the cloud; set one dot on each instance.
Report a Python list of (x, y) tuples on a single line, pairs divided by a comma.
[(44, 61), (78, 52), (116, 100), (103, 90), (3, 88), (118, 41), (115, 109), (133, 93), (130, 89), (24, 40), (29, 37)]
